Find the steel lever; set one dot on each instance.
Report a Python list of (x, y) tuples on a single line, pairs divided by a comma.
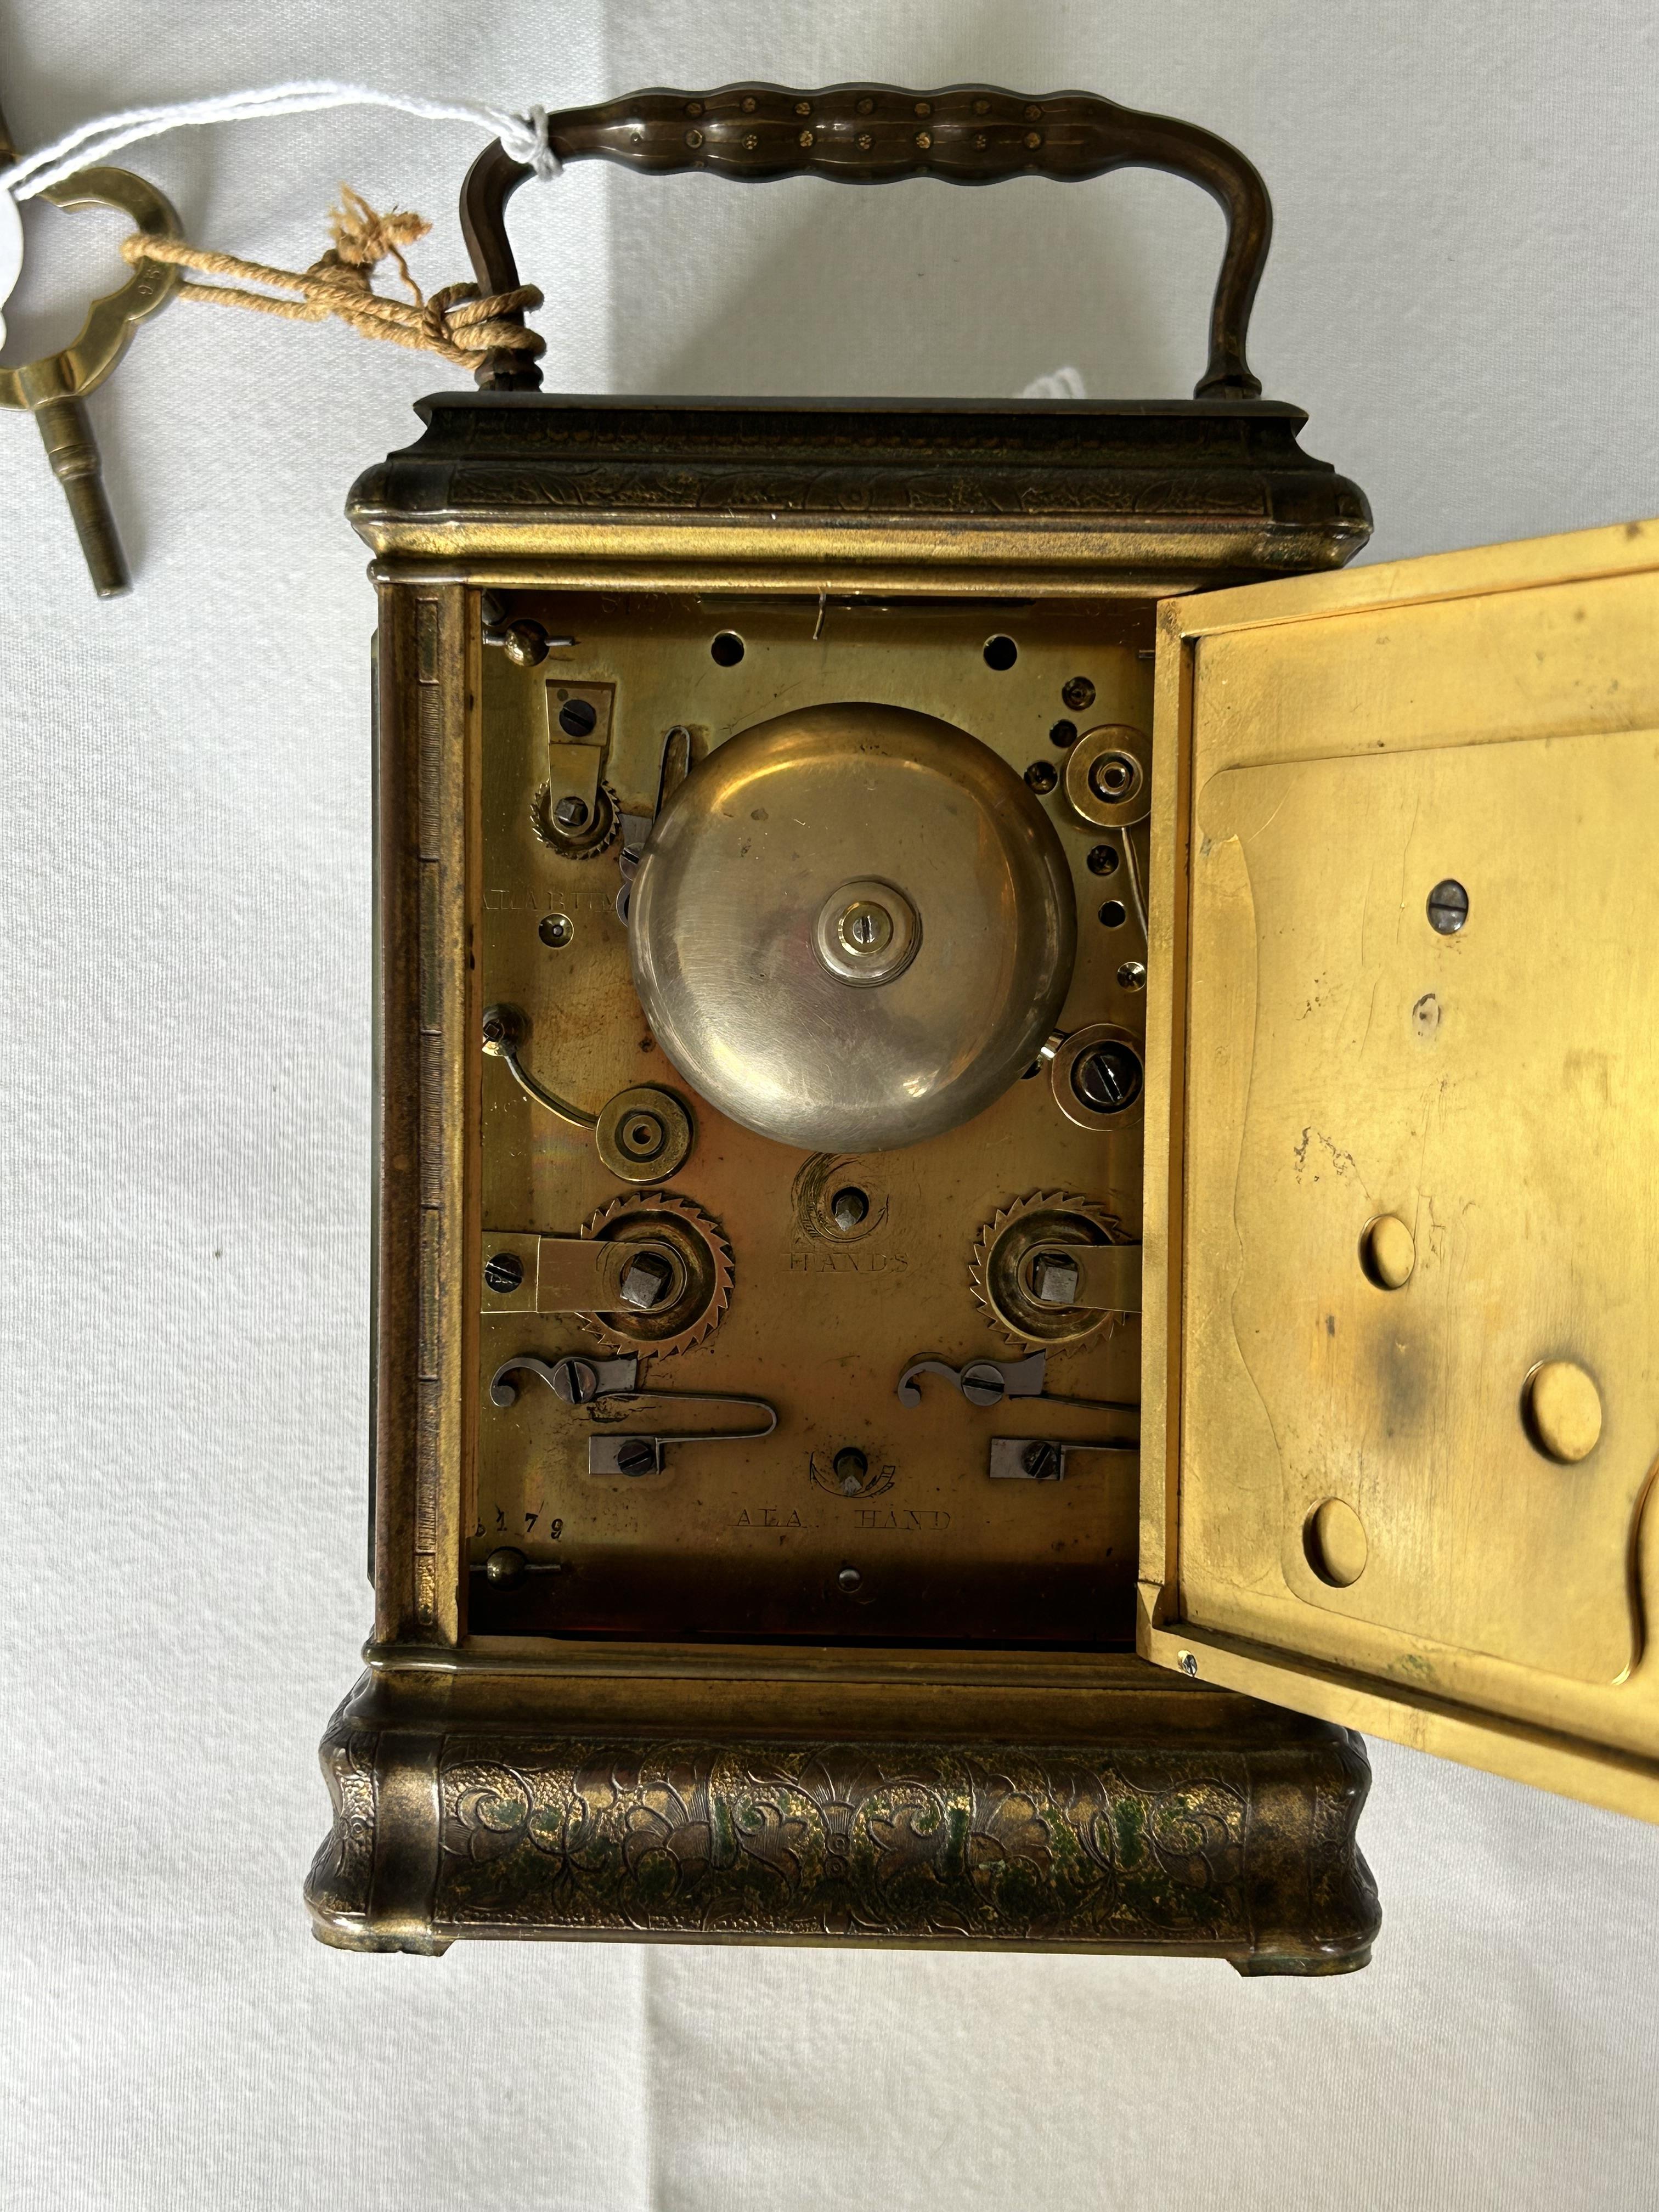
[(988, 1381), (578, 1381), (583, 1381), (1042, 1459), (640, 1451)]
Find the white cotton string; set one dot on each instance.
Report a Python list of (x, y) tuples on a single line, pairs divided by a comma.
[(523, 136)]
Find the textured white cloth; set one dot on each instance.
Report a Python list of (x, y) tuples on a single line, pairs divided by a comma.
[(1461, 293)]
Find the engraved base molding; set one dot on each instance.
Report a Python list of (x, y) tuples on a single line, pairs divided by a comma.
[(1233, 1838)]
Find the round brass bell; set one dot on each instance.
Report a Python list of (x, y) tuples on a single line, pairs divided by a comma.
[(852, 928)]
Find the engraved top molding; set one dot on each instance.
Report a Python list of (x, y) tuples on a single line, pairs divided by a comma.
[(493, 465)]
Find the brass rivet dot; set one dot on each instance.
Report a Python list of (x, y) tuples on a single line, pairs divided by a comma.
[(981, 107), (749, 105), (803, 108), (1034, 139), (694, 107), (694, 138), (923, 140), (1334, 1542), (751, 141), (866, 107), (982, 142), (1033, 113), (805, 138), (1561, 1408), (866, 142), (1388, 1252), (924, 107)]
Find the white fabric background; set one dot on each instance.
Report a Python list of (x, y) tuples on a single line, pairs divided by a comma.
[(1463, 293)]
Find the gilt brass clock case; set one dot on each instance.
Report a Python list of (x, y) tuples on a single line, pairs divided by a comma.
[(886, 1427)]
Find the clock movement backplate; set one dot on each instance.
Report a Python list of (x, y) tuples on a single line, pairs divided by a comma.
[(859, 1514)]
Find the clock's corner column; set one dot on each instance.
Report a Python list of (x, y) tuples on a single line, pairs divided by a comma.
[(426, 1079)]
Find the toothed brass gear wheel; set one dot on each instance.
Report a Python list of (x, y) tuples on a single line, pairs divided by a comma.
[(1046, 1219), (586, 844), (699, 1244)]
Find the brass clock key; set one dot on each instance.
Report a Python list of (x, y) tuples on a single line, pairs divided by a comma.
[(52, 388)]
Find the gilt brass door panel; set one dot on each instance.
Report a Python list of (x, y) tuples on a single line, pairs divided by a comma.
[(1401, 1121)]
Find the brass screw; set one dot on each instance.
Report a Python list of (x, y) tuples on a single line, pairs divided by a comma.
[(981, 107), (1108, 1078), (982, 142), (575, 1381), (803, 108), (924, 107), (866, 142), (1448, 908), (866, 927), (1034, 139), (749, 139), (749, 105), (923, 140), (694, 107), (1033, 114), (805, 138), (694, 138), (867, 107)]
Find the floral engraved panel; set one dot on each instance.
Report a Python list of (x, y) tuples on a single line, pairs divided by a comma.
[(337, 1884), (843, 1841)]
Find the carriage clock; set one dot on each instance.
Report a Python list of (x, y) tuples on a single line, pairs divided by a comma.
[(1014, 1133)]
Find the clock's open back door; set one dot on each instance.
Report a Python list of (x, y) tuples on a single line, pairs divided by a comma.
[(1402, 1402)]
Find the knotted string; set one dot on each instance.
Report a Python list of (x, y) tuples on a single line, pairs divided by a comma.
[(455, 323)]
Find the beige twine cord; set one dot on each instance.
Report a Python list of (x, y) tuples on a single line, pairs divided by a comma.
[(455, 322)]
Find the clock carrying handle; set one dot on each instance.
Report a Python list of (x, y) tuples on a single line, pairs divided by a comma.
[(968, 134)]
